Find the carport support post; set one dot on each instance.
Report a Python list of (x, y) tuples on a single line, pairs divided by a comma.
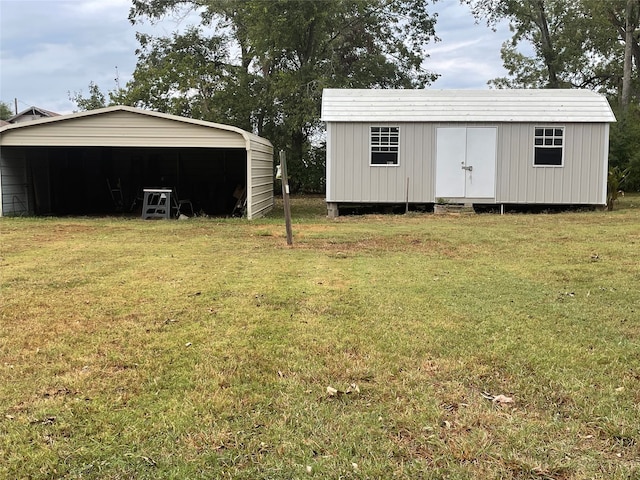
[(285, 196)]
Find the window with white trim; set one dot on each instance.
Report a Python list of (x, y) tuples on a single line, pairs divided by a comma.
[(548, 146), (384, 145)]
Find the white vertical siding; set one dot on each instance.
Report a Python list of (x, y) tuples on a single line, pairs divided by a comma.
[(328, 163), (579, 181), (351, 178), (605, 164)]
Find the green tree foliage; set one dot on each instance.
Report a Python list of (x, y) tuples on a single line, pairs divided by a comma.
[(180, 74), (95, 100), (615, 180), (5, 111), (262, 64), (624, 146), (566, 43), (542, 24)]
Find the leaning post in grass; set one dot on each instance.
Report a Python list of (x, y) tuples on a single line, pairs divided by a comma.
[(285, 196), (406, 205)]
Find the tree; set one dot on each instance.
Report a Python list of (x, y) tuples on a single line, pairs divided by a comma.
[(544, 25), (575, 44), (5, 111), (267, 61), (179, 74), (95, 100), (624, 145), (631, 20), (617, 46)]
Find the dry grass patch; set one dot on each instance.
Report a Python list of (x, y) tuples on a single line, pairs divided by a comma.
[(204, 349)]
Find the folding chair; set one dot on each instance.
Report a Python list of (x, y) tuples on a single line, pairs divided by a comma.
[(116, 195), (181, 204)]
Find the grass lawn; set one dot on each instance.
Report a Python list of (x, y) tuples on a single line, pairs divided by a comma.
[(198, 349)]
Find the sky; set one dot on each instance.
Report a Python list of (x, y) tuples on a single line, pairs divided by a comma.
[(50, 48)]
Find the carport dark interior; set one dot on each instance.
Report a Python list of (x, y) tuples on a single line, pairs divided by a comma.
[(105, 180)]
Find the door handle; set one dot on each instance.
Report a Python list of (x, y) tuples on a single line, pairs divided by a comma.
[(469, 168)]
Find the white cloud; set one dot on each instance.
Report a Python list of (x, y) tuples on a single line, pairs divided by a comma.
[(51, 47), (468, 55), (453, 47), (110, 8)]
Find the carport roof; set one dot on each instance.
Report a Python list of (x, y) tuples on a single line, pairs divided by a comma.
[(46, 131)]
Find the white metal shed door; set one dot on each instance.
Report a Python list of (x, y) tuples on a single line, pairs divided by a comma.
[(451, 153), (466, 162)]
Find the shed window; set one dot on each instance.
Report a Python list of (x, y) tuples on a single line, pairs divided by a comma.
[(384, 145), (548, 145)]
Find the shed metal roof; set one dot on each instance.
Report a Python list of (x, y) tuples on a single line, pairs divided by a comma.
[(542, 105)]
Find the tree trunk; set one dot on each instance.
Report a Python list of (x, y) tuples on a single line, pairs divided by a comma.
[(625, 98), (549, 55), (298, 140), (635, 46)]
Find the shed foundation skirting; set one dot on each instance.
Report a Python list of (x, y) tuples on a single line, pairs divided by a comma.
[(334, 208)]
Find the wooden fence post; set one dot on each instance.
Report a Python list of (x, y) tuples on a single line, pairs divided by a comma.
[(285, 196)]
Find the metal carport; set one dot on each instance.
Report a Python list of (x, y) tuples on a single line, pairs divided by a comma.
[(68, 165)]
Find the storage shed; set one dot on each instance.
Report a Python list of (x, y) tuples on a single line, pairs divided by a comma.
[(466, 146), (100, 161)]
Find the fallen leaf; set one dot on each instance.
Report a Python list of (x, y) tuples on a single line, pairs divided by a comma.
[(486, 395), (333, 392), (502, 399), (45, 421), (620, 389), (353, 388), (497, 398)]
